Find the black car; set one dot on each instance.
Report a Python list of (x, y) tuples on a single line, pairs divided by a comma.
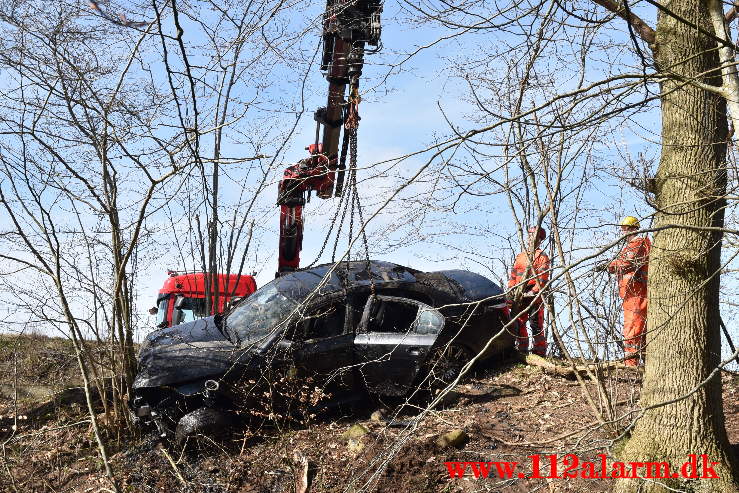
[(349, 328)]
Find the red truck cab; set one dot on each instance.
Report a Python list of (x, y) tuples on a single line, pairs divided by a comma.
[(182, 298)]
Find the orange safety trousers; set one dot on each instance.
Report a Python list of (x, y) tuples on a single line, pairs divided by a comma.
[(635, 321), (533, 313)]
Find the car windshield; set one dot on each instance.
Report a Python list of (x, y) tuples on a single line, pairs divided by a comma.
[(253, 320)]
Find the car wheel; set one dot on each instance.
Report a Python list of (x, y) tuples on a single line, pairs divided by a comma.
[(203, 421), (444, 366)]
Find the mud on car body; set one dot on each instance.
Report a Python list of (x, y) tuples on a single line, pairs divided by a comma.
[(351, 328)]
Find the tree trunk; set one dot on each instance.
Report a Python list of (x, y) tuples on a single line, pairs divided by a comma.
[(683, 338)]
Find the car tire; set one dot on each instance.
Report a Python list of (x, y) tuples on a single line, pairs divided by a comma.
[(204, 421), (443, 366)]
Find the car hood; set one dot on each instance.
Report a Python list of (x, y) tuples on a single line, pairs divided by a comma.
[(187, 352)]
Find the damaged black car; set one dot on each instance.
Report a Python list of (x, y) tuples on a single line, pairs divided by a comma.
[(349, 329)]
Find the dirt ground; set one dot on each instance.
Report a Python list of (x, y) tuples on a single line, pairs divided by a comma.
[(508, 414)]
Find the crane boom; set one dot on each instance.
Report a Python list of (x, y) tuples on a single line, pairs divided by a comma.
[(348, 26)]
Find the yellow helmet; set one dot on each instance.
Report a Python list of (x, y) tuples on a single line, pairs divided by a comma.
[(630, 221)]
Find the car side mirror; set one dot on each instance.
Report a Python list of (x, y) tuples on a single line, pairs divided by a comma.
[(179, 302)]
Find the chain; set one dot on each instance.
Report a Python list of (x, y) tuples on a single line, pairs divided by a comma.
[(352, 183), (345, 198), (352, 180), (355, 190), (347, 186), (330, 229), (357, 205), (342, 196)]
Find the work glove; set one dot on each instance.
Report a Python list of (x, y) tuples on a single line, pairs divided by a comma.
[(601, 267)]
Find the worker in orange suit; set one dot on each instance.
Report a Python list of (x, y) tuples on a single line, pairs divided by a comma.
[(631, 266), (531, 276)]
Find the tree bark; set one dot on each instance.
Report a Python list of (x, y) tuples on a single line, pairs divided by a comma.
[(683, 337)]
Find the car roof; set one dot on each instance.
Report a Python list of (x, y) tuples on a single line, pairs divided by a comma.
[(356, 273), (472, 286), (468, 286)]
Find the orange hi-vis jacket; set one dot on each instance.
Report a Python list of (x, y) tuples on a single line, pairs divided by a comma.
[(521, 271), (632, 267)]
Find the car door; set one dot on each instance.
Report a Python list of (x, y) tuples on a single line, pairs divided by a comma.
[(394, 338), (324, 346)]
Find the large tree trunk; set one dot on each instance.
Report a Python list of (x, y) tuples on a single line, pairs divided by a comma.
[(683, 338)]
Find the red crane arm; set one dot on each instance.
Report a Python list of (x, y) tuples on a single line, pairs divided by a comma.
[(348, 25)]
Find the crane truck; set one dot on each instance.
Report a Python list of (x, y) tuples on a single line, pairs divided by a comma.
[(182, 297)]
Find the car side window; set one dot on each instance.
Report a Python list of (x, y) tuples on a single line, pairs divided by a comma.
[(398, 315), (322, 321), (391, 316)]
